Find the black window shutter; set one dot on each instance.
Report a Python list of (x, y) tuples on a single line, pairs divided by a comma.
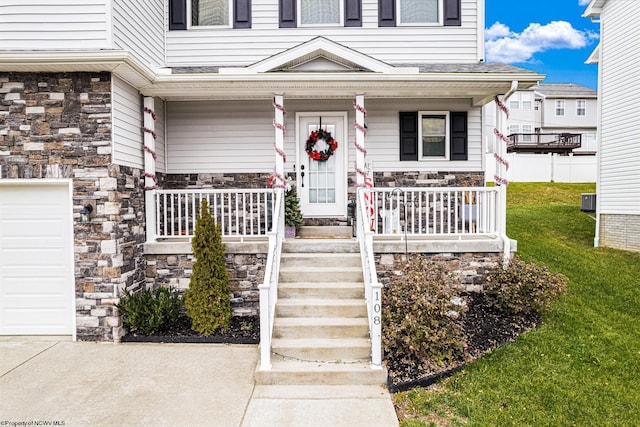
[(241, 13), (459, 139), (452, 13), (386, 13), (288, 13), (408, 135), (353, 13), (177, 14)]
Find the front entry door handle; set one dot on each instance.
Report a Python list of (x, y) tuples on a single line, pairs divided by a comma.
[(301, 179)]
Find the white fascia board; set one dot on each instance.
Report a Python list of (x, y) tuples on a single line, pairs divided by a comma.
[(594, 57), (594, 9)]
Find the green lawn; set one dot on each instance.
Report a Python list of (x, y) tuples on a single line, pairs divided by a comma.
[(582, 366)]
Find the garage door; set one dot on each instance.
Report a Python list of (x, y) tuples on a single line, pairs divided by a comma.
[(36, 258)]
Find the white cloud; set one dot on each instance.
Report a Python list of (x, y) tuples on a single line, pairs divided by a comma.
[(583, 2), (503, 45)]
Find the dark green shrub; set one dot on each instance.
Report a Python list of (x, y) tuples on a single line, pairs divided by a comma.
[(523, 288), (208, 299), (419, 319), (148, 312)]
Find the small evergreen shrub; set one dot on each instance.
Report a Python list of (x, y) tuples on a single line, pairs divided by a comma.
[(292, 213), (148, 312), (419, 319), (523, 288), (208, 298)]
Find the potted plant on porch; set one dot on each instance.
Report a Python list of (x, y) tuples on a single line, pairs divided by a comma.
[(292, 213)]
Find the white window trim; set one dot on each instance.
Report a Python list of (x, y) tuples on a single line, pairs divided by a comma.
[(190, 25), (301, 25), (556, 108), (578, 107), (447, 136), (439, 23)]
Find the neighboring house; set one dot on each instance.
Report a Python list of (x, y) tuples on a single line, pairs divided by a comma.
[(618, 183), (117, 117), (547, 125)]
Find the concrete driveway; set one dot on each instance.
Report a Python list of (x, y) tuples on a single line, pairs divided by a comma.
[(48, 380)]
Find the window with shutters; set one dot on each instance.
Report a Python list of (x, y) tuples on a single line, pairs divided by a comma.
[(320, 12), (210, 13), (433, 134)]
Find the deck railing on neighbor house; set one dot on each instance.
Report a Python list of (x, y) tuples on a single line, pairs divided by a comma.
[(424, 212), (240, 213), (544, 142), (269, 288)]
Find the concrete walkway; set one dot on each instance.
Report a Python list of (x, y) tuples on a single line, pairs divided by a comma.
[(96, 384)]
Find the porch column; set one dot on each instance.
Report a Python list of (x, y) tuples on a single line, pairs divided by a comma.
[(500, 178), (279, 128), (150, 180), (359, 142)]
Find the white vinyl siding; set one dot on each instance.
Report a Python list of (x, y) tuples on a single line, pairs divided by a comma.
[(227, 136), (54, 24), (139, 27), (619, 187), (395, 45), (127, 125)]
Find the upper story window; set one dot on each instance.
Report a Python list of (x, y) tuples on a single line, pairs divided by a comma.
[(514, 129), (559, 107), (527, 103), (581, 107), (210, 13), (514, 105), (419, 12), (320, 12)]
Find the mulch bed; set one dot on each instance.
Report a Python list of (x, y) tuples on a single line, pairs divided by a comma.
[(485, 330), (242, 330)]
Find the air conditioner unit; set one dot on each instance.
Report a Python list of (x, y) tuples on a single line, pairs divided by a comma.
[(588, 203)]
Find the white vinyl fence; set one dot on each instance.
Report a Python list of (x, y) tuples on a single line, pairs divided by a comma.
[(545, 168)]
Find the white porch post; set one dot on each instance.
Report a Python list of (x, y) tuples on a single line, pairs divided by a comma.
[(149, 141), (278, 124), (501, 169), (360, 132)]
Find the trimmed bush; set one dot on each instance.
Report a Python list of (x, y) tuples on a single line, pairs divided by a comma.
[(208, 299), (523, 288), (419, 319), (148, 312)]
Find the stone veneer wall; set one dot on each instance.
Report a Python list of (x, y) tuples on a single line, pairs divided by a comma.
[(59, 125), (464, 270), (246, 272)]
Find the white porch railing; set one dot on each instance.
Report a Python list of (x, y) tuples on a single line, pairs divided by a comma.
[(269, 288), (438, 211), (373, 289), (240, 213)]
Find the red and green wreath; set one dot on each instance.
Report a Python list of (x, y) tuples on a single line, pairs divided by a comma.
[(320, 134)]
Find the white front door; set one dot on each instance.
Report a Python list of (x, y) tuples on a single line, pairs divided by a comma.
[(322, 185)]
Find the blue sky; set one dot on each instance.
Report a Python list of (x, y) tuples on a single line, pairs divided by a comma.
[(547, 36)]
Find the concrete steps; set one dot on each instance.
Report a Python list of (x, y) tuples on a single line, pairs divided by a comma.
[(320, 329)]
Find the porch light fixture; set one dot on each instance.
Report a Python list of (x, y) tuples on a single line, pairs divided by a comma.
[(85, 213)]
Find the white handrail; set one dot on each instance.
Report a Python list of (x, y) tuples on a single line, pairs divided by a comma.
[(269, 288), (240, 212), (373, 289), (435, 211)]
